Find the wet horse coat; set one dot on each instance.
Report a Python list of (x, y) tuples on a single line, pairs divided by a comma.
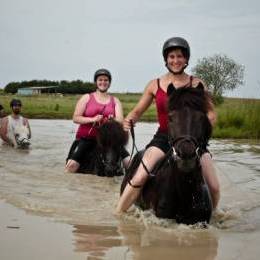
[(177, 189)]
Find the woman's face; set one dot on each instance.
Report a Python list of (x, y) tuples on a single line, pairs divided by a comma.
[(176, 60), (103, 83)]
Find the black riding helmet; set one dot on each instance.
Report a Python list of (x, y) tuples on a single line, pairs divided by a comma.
[(176, 42), (15, 102), (104, 72)]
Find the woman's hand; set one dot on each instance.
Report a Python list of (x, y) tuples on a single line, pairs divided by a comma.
[(127, 124), (97, 118)]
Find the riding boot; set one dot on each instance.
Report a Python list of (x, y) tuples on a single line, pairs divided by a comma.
[(128, 197)]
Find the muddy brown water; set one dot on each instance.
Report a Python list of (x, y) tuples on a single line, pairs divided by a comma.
[(35, 182)]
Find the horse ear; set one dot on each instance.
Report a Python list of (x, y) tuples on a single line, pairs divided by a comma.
[(170, 89), (200, 86)]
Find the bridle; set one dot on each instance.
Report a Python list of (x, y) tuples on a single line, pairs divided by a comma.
[(116, 167), (185, 138)]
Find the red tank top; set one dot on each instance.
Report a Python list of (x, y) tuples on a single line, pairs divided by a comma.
[(92, 109), (161, 99)]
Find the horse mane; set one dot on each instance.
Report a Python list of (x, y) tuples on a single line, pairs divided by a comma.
[(194, 98), (112, 134)]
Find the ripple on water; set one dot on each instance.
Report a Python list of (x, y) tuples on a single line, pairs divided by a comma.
[(35, 180)]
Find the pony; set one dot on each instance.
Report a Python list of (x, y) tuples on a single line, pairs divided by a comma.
[(105, 159), (176, 188), (17, 135), (21, 135)]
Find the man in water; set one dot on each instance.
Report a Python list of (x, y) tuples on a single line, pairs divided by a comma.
[(12, 122)]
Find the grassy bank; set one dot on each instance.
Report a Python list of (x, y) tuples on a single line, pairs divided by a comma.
[(237, 118)]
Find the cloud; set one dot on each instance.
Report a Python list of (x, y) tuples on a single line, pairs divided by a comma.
[(70, 39)]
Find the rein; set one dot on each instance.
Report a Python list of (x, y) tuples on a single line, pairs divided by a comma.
[(132, 152), (95, 123)]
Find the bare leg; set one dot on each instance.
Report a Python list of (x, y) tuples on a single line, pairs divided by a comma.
[(71, 166), (126, 162), (130, 194), (211, 178)]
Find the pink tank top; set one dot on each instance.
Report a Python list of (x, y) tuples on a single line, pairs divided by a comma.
[(92, 109), (161, 100)]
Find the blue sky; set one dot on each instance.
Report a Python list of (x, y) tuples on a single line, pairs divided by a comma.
[(68, 40)]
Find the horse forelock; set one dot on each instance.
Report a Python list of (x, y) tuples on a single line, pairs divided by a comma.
[(188, 97), (190, 122), (112, 134)]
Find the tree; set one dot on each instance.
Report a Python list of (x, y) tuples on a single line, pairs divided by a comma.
[(219, 73)]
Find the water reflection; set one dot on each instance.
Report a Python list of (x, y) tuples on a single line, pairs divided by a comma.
[(128, 241), (34, 180), (97, 241)]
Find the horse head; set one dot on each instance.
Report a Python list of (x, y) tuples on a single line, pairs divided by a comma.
[(111, 139), (21, 134), (189, 126)]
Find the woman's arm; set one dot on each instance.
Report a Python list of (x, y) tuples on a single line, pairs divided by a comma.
[(118, 110), (78, 117), (143, 104)]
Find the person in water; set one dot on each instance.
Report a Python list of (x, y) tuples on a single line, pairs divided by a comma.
[(13, 121), (2, 111), (176, 54), (91, 110)]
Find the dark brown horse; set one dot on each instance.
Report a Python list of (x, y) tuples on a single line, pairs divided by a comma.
[(105, 159), (111, 140), (176, 188)]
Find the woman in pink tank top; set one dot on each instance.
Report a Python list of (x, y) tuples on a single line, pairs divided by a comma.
[(90, 111), (176, 53)]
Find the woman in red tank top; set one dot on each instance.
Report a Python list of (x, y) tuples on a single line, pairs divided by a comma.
[(176, 53), (90, 111)]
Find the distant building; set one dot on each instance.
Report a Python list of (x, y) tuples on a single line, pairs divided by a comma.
[(34, 90)]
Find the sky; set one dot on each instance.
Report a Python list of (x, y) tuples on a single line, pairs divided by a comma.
[(71, 39)]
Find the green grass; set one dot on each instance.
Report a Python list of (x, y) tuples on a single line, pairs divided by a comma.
[(237, 118)]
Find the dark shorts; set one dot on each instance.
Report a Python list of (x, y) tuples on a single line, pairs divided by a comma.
[(160, 140), (82, 150)]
